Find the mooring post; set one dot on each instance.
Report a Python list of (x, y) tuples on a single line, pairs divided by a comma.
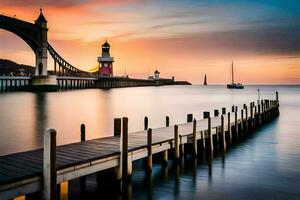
[(259, 114), (229, 128), (149, 148), (189, 117), (262, 111), (124, 151), (251, 115), (167, 121), (255, 114), (211, 144), (216, 113), (236, 123), (82, 133), (181, 146), (165, 158), (223, 111), (246, 117), (272, 106), (277, 99), (232, 108), (176, 143), (271, 109), (223, 141), (145, 123), (82, 180), (206, 115), (242, 119), (195, 137), (49, 165), (117, 126)]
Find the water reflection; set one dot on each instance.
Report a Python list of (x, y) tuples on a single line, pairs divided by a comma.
[(25, 115), (40, 116)]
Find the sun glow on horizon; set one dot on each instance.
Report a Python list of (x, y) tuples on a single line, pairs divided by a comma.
[(187, 41)]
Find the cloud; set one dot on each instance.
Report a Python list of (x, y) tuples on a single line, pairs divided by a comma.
[(170, 24), (43, 2), (66, 3)]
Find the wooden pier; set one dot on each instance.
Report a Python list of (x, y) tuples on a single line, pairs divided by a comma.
[(45, 169)]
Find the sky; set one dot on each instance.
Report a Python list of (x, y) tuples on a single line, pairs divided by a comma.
[(182, 38)]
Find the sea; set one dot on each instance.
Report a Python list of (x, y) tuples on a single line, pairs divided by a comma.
[(265, 165)]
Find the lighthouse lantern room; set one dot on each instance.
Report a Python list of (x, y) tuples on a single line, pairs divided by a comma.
[(105, 61)]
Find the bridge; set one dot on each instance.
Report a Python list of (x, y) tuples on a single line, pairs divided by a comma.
[(65, 75), (36, 36)]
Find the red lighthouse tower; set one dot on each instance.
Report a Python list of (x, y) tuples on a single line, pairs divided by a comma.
[(105, 61)]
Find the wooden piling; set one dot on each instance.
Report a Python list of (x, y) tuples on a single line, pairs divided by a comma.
[(124, 150), (149, 148), (211, 145), (216, 113), (229, 128), (117, 126), (195, 137), (189, 117), (236, 126), (49, 165), (223, 111), (165, 158), (82, 132), (206, 115), (246, 118), (176, 143), (145, 123), (242, 121), (251, 115), (82, 180), (259, 114), (181, 146), (223, 141), (167, 121)]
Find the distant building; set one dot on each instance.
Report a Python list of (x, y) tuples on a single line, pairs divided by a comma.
[(156, 75), (151, 77), (105, 61)]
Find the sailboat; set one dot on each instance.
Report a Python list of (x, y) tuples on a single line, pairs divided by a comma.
[(233, 85), (205, 81)]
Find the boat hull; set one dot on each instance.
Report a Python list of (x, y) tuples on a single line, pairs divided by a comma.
[(235, 86)]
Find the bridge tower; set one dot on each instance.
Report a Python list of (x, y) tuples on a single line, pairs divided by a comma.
[(41, 51), (105, 61)]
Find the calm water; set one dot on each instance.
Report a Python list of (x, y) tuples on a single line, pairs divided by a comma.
[(265, 166)]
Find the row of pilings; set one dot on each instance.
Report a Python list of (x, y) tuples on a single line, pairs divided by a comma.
[(228, 133)]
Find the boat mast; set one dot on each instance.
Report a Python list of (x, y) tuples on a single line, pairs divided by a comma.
[(232, 77)]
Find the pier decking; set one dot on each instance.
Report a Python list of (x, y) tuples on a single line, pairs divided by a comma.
[(27, 172)]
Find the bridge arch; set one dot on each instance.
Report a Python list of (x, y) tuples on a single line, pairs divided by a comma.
[(34, 34)]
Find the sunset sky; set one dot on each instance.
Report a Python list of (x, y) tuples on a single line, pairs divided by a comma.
[(183, 38)]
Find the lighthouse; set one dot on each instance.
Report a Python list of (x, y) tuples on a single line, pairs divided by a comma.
[(105, 61)]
